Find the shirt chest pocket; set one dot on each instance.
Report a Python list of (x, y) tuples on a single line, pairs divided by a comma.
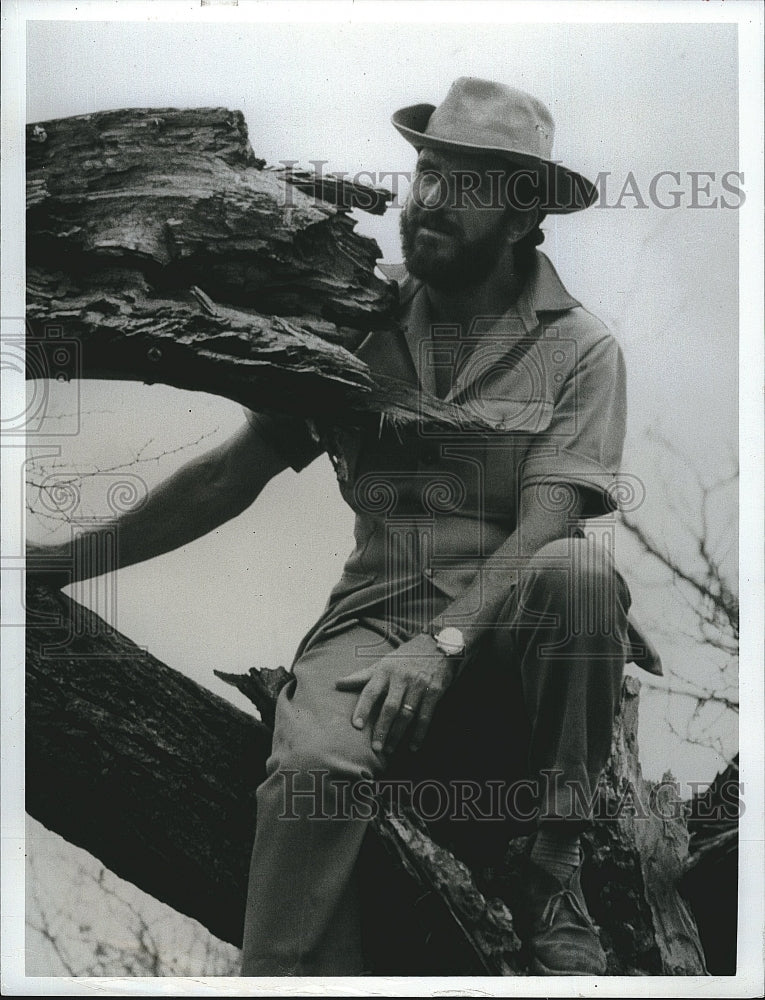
[(517, 423), (508, 414)]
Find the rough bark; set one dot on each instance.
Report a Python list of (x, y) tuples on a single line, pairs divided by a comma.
[(156, 776), (180, 195), (638, 858), (137, 764), (161, 248)]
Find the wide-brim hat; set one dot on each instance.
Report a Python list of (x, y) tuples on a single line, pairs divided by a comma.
[(478, 116)]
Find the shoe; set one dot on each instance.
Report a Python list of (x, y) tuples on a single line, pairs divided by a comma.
[(561, 936)]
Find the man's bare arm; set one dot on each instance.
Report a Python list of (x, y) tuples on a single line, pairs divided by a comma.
[(200, 496)]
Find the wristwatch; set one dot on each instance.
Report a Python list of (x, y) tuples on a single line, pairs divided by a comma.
[(450, 641)]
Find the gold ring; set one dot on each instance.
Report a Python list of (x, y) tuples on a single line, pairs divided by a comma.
[(407, 708)]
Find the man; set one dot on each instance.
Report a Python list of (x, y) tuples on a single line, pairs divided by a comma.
[(472, 580)]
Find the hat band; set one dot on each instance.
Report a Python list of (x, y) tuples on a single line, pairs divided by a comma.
[(508, 138)]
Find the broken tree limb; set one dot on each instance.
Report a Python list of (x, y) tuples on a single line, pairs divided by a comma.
[(137, 764), (180, 194), (486, 923), (710, 882), (639, 854), (339, 190), (159, 246), (118, 328)]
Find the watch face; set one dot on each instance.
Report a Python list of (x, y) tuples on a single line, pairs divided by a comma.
[(451, 640)]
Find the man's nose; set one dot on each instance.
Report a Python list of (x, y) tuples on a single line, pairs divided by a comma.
[(433, 191)]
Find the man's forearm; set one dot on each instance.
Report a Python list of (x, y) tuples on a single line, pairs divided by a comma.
[(477, 608), (187, 505)]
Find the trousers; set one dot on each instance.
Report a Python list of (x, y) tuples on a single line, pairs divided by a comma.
[(533, 709)]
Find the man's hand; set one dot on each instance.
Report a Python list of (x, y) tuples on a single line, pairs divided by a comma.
[(409, 682)]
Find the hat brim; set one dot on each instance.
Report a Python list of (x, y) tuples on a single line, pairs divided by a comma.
[(561, 190)]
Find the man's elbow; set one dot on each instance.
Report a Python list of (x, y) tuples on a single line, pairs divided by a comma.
[(549, 511)]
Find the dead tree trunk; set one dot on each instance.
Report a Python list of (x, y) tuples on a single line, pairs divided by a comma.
[(710, 882), (156, 776), (136, 763)]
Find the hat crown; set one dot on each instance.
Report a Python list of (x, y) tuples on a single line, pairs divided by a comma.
[(492, 119), (493, 115)]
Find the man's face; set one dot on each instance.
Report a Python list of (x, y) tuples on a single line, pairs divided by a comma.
[(456, 220)]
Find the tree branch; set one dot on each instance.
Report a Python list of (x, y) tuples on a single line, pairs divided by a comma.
[(165, 252)]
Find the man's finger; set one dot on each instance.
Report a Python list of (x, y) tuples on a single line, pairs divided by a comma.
[(407, 713), (355, 681), (427, 708), (388, 713), (373, 691)]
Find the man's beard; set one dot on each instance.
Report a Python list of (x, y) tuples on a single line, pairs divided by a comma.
[(457, 264)]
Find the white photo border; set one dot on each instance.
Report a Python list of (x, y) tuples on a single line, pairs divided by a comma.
[(749, 18)]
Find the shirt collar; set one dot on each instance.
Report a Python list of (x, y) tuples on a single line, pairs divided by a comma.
[(543, 292)]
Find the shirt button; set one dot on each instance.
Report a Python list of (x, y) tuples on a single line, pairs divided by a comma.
[(428, 573)]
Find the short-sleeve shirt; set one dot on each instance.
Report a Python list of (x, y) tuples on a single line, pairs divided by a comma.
[(547, 380), (291, 436)]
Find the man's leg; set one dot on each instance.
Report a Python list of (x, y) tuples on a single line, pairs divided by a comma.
[(568, 624), (302, 914), (565, 625)]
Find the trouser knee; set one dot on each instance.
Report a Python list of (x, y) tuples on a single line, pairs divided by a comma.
[(572, 584), (569, 565), (316, 780)]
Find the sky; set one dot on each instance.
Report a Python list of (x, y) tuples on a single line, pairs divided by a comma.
[(629, 101)]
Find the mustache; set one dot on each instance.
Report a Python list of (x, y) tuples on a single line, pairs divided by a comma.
[(437, 223)]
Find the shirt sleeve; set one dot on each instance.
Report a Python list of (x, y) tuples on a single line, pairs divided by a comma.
[(582, 445), (291, 436)]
